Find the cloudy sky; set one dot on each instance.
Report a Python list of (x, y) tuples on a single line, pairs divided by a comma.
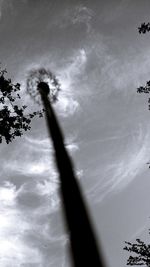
[(95, 50)]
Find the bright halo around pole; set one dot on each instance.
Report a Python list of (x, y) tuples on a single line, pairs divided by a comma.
[(36, 76)]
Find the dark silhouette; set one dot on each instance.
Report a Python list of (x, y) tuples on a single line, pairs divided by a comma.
[(141, 251), (13, 120), (83, 244), (145, 27), (146, 90), (42, 75)]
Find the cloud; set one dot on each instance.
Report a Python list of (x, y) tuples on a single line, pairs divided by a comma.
[(99, 69), (13, 225), (15, 252), (132, 164), (117, 72), (124, 168), (73, 68), (28, 234), (76, 15), (45, 144), (67, 106), (84, 15), (31, 165), (8, 194), (128, 168), (34, 162)]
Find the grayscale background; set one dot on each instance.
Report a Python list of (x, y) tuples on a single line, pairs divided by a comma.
[(95, 50)]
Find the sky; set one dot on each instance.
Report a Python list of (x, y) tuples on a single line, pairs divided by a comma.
[(96, 52)]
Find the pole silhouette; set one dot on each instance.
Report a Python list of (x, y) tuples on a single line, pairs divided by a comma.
[(82, 241)]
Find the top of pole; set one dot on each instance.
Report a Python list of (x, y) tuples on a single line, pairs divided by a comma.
[(43, 88), (42, 80)]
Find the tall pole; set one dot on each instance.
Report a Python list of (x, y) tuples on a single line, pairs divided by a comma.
[(83, 244)]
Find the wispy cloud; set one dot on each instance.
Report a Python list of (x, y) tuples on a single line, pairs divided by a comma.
[(37, 164), (72, 69), (77, 14), (83, 14), (126, 166)]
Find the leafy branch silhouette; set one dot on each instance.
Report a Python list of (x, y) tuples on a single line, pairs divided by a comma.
[(145, 27), (140, 249), (146, 90), (13, 119)]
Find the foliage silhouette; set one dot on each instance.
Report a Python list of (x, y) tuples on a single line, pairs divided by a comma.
[(142, 252), (145, 27), (13, 118), (140, 249)]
